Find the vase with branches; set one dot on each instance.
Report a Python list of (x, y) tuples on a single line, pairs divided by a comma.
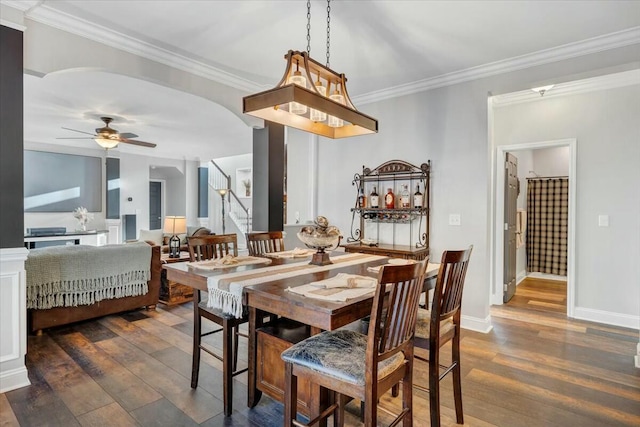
[(83, 216), (247, 187)]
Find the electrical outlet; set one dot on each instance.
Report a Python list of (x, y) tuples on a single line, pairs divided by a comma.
[(454, 219)]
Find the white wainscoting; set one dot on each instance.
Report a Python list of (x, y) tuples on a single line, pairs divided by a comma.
[(13, 319), (114, 228)]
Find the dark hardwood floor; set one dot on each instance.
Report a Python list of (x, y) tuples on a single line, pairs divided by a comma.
[(536, 368)]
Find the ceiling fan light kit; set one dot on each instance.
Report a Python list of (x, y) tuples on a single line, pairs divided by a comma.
[(107, 143), (311, 97), (107, 137)]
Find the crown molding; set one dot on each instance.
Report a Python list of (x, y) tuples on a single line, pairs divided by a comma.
[(567, 51), (609, 81), (72, 24), (21, 5), (11, 16), (13, 25), (37, 11)]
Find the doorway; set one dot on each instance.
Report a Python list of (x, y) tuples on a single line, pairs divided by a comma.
[(498, 243), (155, 205)]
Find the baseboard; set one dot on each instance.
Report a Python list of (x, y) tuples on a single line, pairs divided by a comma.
[(476, 323), (607, 317), (13, 379), (537, 275), (521, 276)]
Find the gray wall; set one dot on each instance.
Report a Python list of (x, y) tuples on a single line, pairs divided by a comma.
[(299, 168), (11, 139), (449, 125), (607, 129), (173, 180)]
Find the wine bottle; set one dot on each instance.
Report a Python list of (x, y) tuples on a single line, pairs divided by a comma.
[(417, 198), (374, 200), (389, 199), (405, 198), (362, 200)]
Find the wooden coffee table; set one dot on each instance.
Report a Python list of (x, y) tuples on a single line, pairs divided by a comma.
[(173, 293)]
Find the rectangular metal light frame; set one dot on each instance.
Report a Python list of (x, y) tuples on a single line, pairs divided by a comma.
[(267, 105)]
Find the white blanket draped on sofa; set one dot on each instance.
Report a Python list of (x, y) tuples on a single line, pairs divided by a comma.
[(68, 276)]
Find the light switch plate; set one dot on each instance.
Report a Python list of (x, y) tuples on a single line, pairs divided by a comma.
[(454, 219), (603, 220)]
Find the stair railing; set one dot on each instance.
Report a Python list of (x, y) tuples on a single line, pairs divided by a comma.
[(238, 212), (218, 179)]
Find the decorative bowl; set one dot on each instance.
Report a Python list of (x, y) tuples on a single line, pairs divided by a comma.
[(319, 242)]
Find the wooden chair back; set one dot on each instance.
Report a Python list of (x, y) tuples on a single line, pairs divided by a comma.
[(394, 311), (260, 243), (447, 297), (202, 248)]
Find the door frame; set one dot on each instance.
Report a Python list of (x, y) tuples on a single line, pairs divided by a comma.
[(497, 252)]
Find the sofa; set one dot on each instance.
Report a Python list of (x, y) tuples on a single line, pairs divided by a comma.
[(158, 237), (133, 282)]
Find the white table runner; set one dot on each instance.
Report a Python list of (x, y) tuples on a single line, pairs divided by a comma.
[(339, 288), (226, 290)]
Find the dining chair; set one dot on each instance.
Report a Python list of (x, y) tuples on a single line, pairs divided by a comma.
[(359, 366), (264, 242), (204, 248), (441, 324)]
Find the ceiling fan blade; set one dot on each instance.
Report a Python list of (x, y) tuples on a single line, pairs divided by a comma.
[(79, 131), (128, 135), (136, 142), (79, 137)]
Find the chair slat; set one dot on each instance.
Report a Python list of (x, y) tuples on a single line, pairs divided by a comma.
[(260, 243)]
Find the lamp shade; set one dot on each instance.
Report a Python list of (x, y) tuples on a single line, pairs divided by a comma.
[(107, 142), (175, 225)]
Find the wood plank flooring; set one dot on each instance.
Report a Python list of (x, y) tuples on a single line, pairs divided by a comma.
[(536, 368)]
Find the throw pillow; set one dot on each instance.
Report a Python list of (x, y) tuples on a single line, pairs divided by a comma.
[(154, 236)]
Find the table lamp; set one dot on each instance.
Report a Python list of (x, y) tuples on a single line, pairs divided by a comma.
[(175, 225)]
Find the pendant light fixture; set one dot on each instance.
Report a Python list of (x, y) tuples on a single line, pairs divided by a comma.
[(311, 96)]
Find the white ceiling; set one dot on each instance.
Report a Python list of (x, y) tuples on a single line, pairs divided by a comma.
[(377, 44)]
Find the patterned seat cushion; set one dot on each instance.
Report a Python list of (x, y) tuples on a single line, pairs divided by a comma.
[(423, 327), (340, 354)]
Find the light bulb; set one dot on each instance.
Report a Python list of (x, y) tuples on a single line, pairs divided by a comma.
[(317, 115), (335, 122), (300, 80)]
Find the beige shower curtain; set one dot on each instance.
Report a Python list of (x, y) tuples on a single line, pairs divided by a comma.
[(547, 225)]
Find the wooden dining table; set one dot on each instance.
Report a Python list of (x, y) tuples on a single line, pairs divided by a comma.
[(270, 296)]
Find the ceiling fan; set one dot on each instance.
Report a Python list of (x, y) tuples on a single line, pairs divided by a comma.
[(108, 137)]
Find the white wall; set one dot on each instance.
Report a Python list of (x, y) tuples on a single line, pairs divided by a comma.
[(607, 129), (174, 181), (134, 183), (299, 156), (551, 161), (229, 166), (13, 319)]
